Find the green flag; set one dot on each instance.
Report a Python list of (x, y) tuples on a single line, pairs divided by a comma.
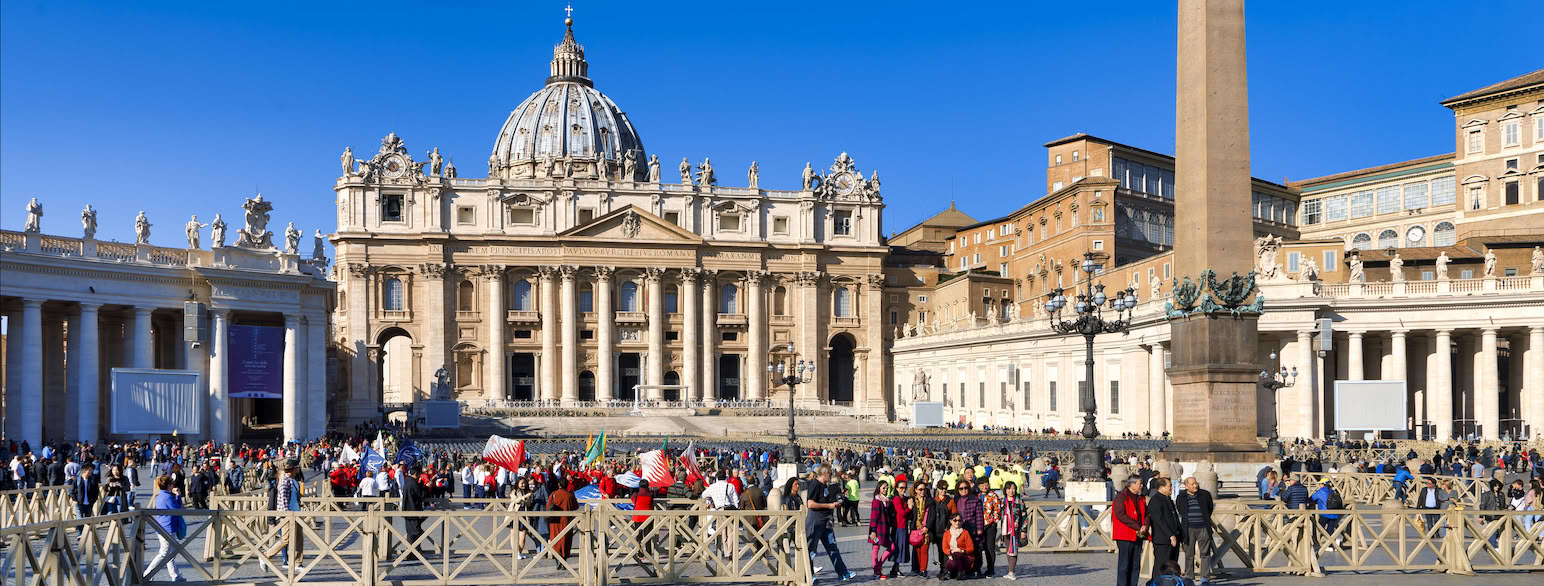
[(597, 448)]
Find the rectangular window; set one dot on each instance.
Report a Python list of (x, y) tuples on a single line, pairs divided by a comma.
[(1476, 196), (1538, 128), (730, 336), (1028, 395), (1074, 156), (672, 336), (1442, 190), (465, 215), (1511, 134), (391, 208), (1466, 274), (586, 334), (1335, 208), (586, 301), (1511, 272), (1114, 397), (976, 259), (1388, 199), (673, 217), (1002, 250), (1052, 395), (843, 223), (780, 225), (586, 215), (894, 318), (1165, 270), (1098, 245), (522, 216), (670, 301), (1293, 258), (729, 222), (1476, 141), (978, 238), (1361, 204), (1331, 262), (1428, 276), (1313, 212), (981, 392), (921, 317), (1415, 196), (1512, 189), (1511, 164), (991, 233), (522, 334)]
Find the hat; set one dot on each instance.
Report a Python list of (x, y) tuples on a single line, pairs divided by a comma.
[(291, 463)]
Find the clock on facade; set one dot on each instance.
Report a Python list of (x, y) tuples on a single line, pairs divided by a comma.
[(1416, 234), (394, 166), (844, 183)]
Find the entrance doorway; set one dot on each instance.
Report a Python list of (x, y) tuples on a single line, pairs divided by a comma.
[(839, 369), (672, 378), (522, 367), (586, 386), (631, 375), (729, 377)]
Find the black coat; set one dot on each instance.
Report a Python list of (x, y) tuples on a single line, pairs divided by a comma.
[(1164, 519), (412, 493), (1182, 500), (937, 516)]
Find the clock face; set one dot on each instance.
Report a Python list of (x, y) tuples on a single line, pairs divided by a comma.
[(394, 166), (1417, 234), (844, 183)]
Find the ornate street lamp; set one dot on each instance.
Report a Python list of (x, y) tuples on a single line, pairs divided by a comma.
[(1089, 322), (792, 371), (1276, 381)]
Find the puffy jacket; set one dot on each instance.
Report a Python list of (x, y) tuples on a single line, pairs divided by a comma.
[(1130, 515)]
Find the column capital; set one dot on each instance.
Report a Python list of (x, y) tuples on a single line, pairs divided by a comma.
[(688, 275), (1489, 331), (1536, 330), (547, 272), (653, 274), (435, 271), (876, 281), (604, 273), (140, 310), (1400, 333), (808, 278), (291, 320), (220, 312), (89, 306), (1356, 335), (708, 275), (757, 277), (568, 272), (30, 303), (490, 273)]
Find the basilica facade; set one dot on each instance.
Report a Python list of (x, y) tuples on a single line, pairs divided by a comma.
[(577, 272)]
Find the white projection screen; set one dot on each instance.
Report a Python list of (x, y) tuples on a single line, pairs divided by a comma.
[(927, 414), (1370, 405), (152, 402), (442, 414)]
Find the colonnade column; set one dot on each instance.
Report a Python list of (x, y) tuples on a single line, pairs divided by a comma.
[(652, 276), (1486, 403), (1304, 405), (219, 379), (756, 312), (13, 389), (1398, 370), (570, 305), (709, 336), (605, 312), (691, 374), (493, 386), (549, 333), (144, 348), (88, 393), (31, 368), (71, 376), (316, 375), (1354, 361), (1441, 388), (291, 378), (1535, 377), (1156, 405), (1138, 400)]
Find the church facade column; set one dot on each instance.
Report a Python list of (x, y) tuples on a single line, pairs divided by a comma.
[(291, 378), (872, 394), (1398, 369), (440, 318), (71, 396), (549, 332), (691, 322), (1486, 404), (1135, 400), (144, 345), (87, 392), (219, 378), (652, 277), (497, 320), (756, 313), (31, 367), (1354, 361), (709, 335), (605, 341), (812, 344), (570, 304)]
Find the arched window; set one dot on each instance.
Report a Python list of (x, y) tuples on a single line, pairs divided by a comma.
[(394, 294), (464, 300), (1361, 241), (629, 296), (343, 301), (672, 299), (522, 295), (780, 301), (728, 299), (1388, 239), (1444, 235), (843, 302)]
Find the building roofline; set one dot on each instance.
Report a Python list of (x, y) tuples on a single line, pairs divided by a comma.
[(1524, 82), (1121, 145), (1315, 181)]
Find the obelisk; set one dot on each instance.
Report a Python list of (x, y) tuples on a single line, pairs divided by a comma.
[(1214, 370)]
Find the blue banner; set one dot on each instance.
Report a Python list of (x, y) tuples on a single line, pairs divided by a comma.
[(255, 362), (409, 454), (372, 461)]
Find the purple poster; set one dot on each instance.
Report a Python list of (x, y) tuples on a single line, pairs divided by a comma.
[(256, 362)]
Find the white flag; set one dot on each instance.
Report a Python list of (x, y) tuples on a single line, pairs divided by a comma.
[(380, 443), (349, 455)]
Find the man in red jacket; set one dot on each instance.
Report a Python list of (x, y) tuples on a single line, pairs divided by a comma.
[(1130, 528)]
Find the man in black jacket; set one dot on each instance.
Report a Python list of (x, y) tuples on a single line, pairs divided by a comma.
[(412, 500), (1194, 505), (1168, 531)]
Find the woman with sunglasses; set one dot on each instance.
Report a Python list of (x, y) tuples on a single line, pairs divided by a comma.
[(959, 550), (900, 503), (882, 528)]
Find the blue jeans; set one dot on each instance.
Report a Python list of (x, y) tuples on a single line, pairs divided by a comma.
[(823, 535), (466, 490)]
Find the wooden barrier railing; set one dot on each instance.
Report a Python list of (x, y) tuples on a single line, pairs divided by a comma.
[(1377, 488), (39, 504)]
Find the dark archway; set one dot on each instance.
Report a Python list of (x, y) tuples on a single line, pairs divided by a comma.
[(671, 378), (839, 369), (523, 368), (630, 376), (728, 377), (586, 386)]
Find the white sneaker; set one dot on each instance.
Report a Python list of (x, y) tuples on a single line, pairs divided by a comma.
[(1011, 577)]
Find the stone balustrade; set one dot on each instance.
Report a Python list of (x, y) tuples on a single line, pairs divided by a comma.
[(124, 252)]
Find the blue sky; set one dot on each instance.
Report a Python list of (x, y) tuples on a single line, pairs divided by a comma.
[(181, 107)]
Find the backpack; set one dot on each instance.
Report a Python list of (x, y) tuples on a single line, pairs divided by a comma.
[(1333, 501)]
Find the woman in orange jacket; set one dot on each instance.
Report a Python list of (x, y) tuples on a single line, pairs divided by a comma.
[(958, 548)]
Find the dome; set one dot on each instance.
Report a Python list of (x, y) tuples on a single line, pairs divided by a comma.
[(566, 119)]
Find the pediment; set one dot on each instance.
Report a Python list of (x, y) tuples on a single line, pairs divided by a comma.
[(1512, 115), (1473, 122), (631, 223)]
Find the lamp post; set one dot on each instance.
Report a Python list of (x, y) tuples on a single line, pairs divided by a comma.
[(792, 371), (1275, 381), (1089, 322)]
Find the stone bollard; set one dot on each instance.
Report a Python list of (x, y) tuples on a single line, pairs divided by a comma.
[(1034, 479), (1206, 476), (1118, 475)]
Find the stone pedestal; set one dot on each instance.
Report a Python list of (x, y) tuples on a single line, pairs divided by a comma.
[(1091, 492)]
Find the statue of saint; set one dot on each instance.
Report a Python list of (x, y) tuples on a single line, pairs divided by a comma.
[(141, 228), (1156, 285), (1309, 271), (192, 229), (348, 161), (34, 217), (318, 248), (809, 176), (217, 232), (653, 168), (686, 172), (1442, 263), (291, 239), (441, 389), (493, 165), (919, 390), (88, 222), (754, 175), (434, 161), (630, 166), (1490, 263), (705, 176), (1538, 262), (873, 182), (1358, 275), (1397, 269), (602, 166)]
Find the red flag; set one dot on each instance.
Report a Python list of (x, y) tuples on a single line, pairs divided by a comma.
[(689, 460), (504, 453), (656, 469)]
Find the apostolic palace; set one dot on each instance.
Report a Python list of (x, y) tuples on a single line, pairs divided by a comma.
[(584, 270)]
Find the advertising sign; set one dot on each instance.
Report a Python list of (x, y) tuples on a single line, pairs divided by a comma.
[(256, 362)]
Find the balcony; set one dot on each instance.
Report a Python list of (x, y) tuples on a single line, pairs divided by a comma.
[(389, 315), (780, 320), (521, 316), (730, 319), (845, 321), (468, 316), (631, 317)]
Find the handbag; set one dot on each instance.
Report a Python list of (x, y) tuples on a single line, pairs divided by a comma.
[(919, 536)]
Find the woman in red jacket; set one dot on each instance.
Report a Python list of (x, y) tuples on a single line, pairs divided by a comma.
[(958, 548)]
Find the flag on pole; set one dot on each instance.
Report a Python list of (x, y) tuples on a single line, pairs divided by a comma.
[(656, 468), (689, 461), (409, 453), (597, 448), (349, 455), (504, 453), (665, 447), (380, 442), (373, 461)]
